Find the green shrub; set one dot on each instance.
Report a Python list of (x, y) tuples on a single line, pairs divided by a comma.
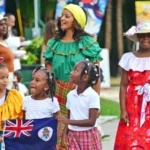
[(33, 52)]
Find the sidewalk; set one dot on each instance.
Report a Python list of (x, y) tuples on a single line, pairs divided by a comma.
[(110, 128), (110, 93), (109, 124)]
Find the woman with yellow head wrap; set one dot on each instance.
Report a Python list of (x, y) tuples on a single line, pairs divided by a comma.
[(70, 45)]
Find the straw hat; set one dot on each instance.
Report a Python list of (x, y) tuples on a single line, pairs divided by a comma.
[(2, 17), (143, 27)]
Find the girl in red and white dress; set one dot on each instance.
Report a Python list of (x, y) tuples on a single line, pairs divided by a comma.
[(134, 127)]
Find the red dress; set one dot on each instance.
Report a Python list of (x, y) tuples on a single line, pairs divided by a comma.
[(136, 136)]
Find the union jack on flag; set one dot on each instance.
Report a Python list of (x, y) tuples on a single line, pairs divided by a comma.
[(18, 128), (38, 134)]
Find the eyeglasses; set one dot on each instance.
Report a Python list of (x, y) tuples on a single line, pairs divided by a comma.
[(143, 35)]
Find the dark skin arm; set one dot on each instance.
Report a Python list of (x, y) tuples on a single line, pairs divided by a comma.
[(65, 135), (57, 113), (24, 114), (81, 123), (58, 125), (122, 96), (43, 50), (48, 67)]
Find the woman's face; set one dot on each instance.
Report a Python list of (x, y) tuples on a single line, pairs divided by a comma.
[(67, 20), (3, 27), (144, 40)]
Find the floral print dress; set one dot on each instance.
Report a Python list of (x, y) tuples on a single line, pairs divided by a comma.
[(136, 135)]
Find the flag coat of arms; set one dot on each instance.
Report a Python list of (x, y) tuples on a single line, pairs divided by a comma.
[(36, 134)]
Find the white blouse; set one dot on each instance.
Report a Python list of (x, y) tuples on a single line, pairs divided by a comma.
[(37, 109), (130, 61)]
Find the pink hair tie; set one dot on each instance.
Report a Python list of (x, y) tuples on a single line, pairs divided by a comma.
[(1, 59)]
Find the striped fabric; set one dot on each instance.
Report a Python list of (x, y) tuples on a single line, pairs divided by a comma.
[(62, 89), (85, 140)]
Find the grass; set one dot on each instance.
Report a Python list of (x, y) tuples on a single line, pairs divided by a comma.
[(109, 108)]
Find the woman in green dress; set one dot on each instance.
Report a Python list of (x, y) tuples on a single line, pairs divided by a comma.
[(70, 45)]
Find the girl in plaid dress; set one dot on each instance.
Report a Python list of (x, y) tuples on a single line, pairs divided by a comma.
[(83, 104)]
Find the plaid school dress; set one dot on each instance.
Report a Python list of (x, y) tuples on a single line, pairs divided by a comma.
[(85, 140)]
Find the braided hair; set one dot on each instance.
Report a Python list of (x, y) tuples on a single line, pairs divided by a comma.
[(50, 81), (92, 70)]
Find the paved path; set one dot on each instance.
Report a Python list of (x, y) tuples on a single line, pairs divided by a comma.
[(110, 93), (109, 125), (110, 128)]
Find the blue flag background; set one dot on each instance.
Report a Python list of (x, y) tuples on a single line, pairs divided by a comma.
[(2, 6), (36, 134)]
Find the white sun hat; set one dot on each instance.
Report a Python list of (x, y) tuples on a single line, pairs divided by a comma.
[(143, 27)]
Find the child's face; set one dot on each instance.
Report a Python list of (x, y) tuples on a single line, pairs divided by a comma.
[(4, 73), (38, 85), (75, 75), (144, 40)]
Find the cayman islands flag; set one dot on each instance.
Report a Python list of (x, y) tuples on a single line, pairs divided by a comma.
[(36, 134)]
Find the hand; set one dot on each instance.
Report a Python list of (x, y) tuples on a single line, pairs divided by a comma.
[(65, 143), (62, 119), (124, 117)]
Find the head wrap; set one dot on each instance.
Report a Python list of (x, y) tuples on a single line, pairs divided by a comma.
[(78, 14)]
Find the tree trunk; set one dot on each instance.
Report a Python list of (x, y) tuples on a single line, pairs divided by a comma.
[(120, 28), (108, 34)]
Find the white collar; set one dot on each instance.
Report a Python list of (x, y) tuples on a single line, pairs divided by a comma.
[(85, 92)]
